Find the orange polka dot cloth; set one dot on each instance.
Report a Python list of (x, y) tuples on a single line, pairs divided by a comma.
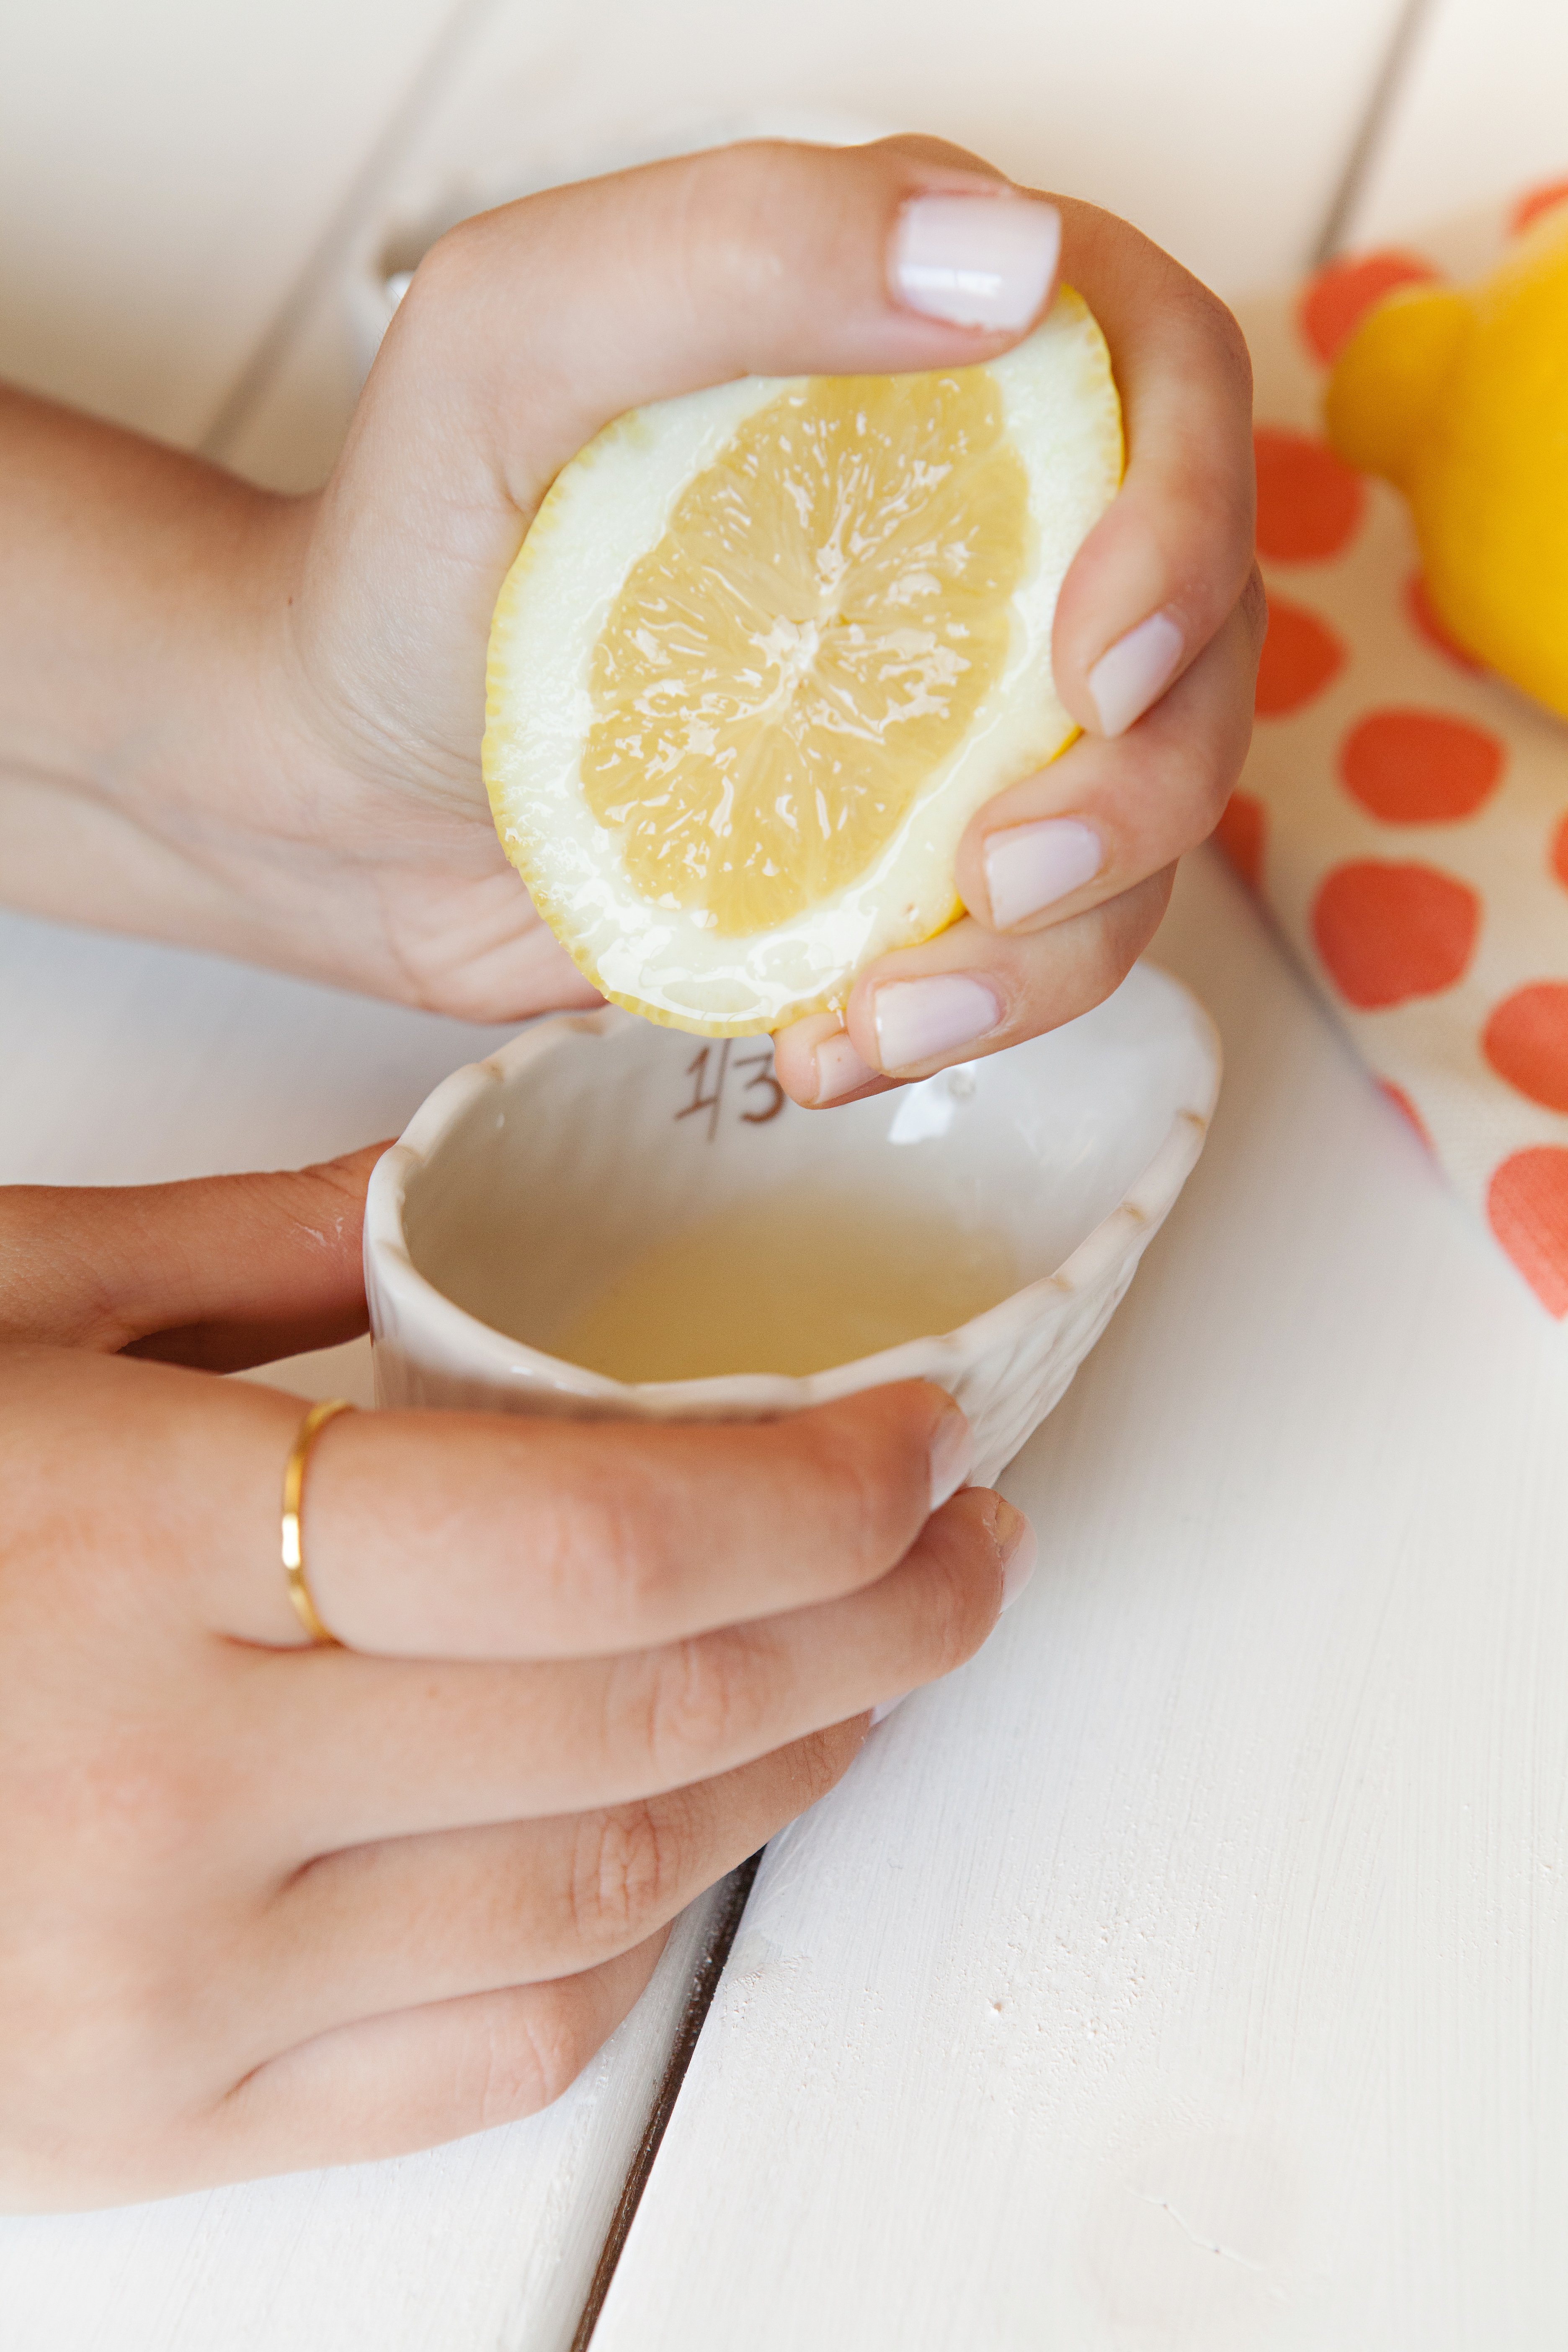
[(1404, 815)]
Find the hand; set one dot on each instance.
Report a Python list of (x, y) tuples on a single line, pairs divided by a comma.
[(1155, 652), (307, 791), (270, 1905)]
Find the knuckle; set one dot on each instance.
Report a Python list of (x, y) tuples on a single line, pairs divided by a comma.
[(1211, 773), (1125, 926), (448, 271), (962, 1607), (728, 220), (626, 1862), (1255, 610), (620, 1550), (819, 1762), (1217, 509), (1186, 771), (859, 1499), (1231, 353), (532, 2049), (861, 1457), (761, 220), (1223, 347), (335, 1190), (700, 1697)]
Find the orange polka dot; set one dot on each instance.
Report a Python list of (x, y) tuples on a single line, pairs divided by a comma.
[(1527, 1208), (1300, 654), (1337, 299), (1240, 833), (1560, 854), (1406, 1107), (1526, 1042), (1537, 201), (1418, 767), (1423, 614), (1389, 932), (1309, 500)]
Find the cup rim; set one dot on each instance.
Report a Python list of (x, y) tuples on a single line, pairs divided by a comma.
[(490, 1355)]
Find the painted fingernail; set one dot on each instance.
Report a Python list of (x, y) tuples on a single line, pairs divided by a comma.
[(880, 1713), (1028, 867), (978, 261), (1016, 1542), (1135, 672), (917, 1020), (952, 1452), (839, 1069)]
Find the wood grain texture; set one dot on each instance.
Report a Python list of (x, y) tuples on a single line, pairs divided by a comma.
[(1187, 1971)]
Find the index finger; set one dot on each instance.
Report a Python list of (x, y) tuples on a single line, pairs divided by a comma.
[(1168, 561), (446, 1535)]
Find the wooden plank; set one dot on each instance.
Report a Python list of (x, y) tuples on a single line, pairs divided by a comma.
[(165, 173), (1184, 1971), (1481, 112), (1220, 127), (123, 1062)]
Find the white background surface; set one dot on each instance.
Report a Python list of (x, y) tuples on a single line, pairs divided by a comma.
[(1189, 1971)]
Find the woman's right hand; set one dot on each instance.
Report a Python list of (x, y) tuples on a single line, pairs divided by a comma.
[(270, 1904)]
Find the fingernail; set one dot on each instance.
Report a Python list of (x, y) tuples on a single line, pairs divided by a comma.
[(1028, 867), (952, 1452), (1016, 1542), (917, 1020), (978, 261), (839, 1069), (880, 1713), (1137, 669)]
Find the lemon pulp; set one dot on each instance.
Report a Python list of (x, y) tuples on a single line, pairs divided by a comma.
[(811, 636), (767, 649)]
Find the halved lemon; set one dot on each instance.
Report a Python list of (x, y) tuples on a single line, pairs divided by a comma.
[(767, 649)]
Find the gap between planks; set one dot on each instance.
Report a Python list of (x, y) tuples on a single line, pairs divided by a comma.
[(255, 378), (1363, 152), (704, 1985)]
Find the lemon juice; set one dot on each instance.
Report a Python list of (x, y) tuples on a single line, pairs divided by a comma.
[(791, 1284)]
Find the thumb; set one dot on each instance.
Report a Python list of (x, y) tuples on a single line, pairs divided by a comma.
[(542, 320), (526, 329), (219, 1272)]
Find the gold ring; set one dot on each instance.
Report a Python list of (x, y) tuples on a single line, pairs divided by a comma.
[(310, 1429)]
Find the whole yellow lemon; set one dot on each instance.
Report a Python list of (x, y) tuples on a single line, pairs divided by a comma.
[(1460, 396)]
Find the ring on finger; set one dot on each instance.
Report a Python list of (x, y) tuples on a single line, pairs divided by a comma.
[(294, 1470)]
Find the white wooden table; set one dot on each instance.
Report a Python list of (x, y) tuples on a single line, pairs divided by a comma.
[(1191, 1970)]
